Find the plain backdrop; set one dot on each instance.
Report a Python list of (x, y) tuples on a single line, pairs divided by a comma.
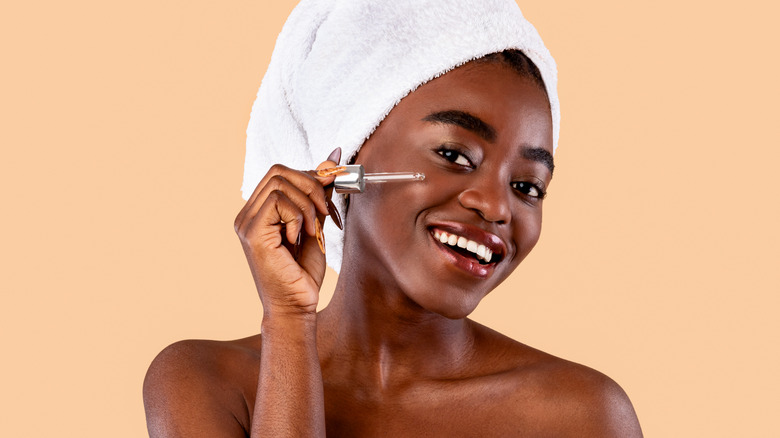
[(123, 129)]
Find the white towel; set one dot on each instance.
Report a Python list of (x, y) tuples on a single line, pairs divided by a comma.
[(340, 66)]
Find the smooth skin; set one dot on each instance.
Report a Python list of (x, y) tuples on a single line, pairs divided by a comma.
[(394, 354)]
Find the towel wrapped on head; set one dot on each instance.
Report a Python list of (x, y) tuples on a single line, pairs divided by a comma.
[(340, 66)]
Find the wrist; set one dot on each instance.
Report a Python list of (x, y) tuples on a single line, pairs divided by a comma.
[(280, 308), (288, 322)]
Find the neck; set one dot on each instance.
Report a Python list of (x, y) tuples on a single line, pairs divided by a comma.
[(373, 332)]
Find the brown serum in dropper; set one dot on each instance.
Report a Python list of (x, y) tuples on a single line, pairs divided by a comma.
[(352, 178)]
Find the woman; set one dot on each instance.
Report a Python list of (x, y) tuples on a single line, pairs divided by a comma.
[(393, 354)]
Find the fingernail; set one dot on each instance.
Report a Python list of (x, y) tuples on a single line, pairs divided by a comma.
[(331, 171), (334, 214), (320, 237), (335, 156), (298, 246)]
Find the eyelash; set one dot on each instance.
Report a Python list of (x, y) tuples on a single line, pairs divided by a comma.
[(526, 188), (448, 155)]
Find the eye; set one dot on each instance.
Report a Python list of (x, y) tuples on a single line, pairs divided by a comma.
[(454, 157), (529, 189)]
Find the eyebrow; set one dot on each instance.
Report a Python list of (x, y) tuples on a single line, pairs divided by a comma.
[(476, 125), (539, 155), (464, 120)]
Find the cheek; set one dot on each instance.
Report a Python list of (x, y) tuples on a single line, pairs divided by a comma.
[(382, 215), (527, 230), (390, 207)]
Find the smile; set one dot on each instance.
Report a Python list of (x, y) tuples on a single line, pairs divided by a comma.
[(480, 251)]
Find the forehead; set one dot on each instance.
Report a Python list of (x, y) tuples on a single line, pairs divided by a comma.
[(515, 106)]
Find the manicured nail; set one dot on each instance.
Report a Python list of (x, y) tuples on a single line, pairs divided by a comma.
[(320, 237), (331, 171), (298, 246), (335, 156), (334, 214)]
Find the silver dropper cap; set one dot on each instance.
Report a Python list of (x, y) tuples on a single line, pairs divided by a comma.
[(350, 180), (353, 179)]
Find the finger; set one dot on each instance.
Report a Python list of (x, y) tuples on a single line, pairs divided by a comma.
[(264, 230), (306, 192), (281, 170), (294, 194), (331, 163), (312, 256), (333, 212), (303, 180), (278, 215)]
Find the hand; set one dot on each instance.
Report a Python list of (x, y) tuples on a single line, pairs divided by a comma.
[(278, 228)]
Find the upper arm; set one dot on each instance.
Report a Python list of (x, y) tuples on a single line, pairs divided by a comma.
[(185, 395)]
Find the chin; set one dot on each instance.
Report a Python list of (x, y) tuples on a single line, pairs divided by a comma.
[(459, 314), (449, 304)]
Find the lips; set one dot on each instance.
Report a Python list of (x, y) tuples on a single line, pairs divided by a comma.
[(468, 247)]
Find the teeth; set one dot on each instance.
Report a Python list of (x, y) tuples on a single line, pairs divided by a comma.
[(481, 251)]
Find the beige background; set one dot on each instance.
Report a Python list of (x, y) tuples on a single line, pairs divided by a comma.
[(122, 152)]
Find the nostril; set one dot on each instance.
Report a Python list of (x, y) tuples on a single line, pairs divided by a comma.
[(490, 205)]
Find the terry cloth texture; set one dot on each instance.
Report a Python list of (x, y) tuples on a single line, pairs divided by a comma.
[(340, 66)]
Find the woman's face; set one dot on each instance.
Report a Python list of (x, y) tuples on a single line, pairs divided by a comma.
[(482, 135)]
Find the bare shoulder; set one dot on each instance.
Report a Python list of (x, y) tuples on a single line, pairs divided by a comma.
[(200, 388), (580, 401), (553, 394)]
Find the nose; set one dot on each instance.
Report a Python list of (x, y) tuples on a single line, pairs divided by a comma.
[(489, 199)]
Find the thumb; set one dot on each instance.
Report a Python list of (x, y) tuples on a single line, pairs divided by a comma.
[(328, 169)]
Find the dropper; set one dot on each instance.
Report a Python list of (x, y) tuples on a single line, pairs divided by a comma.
[(353, 179)]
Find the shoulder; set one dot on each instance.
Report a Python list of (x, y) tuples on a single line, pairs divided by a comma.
[(580, 401), (554, 394), (209, 361), (201, 383)]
